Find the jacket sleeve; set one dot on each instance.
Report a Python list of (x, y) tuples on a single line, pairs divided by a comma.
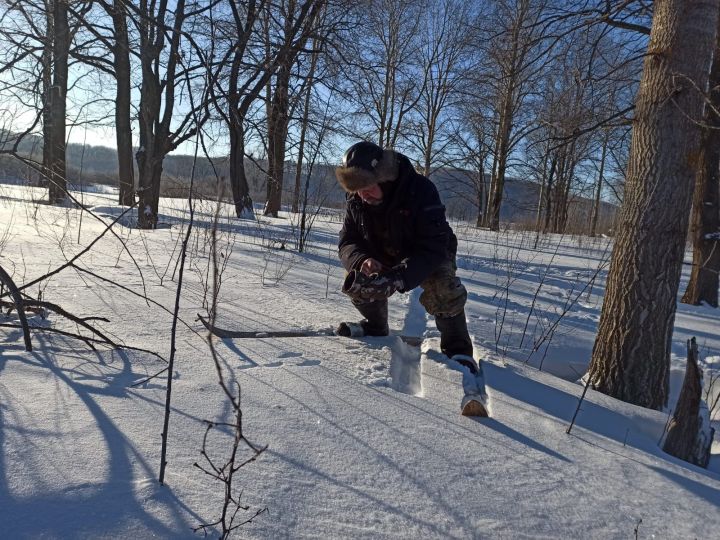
[(352, 247), (431, 239)]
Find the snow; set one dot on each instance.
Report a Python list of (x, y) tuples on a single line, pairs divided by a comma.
[(364, 437)]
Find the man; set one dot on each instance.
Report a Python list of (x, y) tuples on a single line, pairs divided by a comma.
[(394, 238)]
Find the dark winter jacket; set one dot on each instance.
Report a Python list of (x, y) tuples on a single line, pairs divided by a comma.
[(408, 228)]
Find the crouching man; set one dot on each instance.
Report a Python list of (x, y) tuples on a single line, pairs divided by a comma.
[(395, 237)]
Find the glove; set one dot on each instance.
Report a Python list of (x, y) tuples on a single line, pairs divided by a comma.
[(364, 288)]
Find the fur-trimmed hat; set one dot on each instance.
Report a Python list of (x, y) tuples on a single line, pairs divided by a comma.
[(365, 164)]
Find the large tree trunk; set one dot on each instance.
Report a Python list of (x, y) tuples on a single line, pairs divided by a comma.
[(58, 92), (123, 127), (705, 220), (631, 356), (561, 174)]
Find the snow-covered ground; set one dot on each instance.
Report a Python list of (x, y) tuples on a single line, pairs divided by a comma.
[(364, 437)]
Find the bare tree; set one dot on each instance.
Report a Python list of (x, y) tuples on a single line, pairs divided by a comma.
[(631, 356), (160, 60), (250, 73), (280, 102), (116, 42), (309, 86), (382, 73), (515, 55), (444, 60)]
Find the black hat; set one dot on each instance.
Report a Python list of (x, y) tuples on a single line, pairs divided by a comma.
[(365, 164)]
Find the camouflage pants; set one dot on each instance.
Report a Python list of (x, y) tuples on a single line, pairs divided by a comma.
[(443, 294)]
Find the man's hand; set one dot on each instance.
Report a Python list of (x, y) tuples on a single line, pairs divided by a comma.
[(363, 288), (371, 266)]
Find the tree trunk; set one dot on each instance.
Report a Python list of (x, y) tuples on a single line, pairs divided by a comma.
[(501, 152), (631, 355), (238, 179), (58, 92), (543, 182), (277, 138), (480, 196), (556, 194), (148, 116), (705, 219), (123, 127), (303, 127), (148, 152), (598, 187), (47, 69), (235, 116), (549, 194)]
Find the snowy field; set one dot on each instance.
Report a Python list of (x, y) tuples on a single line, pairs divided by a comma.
[(355, 449)]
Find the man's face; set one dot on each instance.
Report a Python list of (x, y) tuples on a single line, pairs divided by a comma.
[(371, 195)]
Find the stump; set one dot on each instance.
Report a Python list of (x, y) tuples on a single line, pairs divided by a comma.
[(688, 438)]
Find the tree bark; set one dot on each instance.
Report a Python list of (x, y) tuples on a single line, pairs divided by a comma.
[(705, 219), (480, 196), (631, 355)]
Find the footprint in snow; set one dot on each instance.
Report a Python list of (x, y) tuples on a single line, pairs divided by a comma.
[(291, 359)]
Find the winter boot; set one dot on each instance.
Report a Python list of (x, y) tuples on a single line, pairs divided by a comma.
[(454, 336), (375, 322)]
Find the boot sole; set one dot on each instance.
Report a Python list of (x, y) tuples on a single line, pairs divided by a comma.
[(473, 407)]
